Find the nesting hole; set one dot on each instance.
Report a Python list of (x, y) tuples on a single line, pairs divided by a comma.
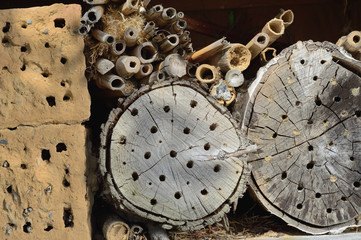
[(48, 228), (276, 27), (23, 49), (318, 101), (119, 46), (297, 103), (9, 189), (217, 168), (148, 52), (135, 176), (310, 165), (358, 114), (356, 184), (204, 192), (173, 154), (6, 28), (309, 122), (284, 117), (177, 195), (343, 198), (134, 112), (147, 155), (318, 195), (299, 206), (45, 74), (190, 164), (284, 175), (315, 78), (24, 25), (186, 130), (274, 135), (67, 97), (153, 129), (337, 99), (300, 187), (328, 210), (356, 38), (63, 60), (110, 40), (61, 147), (45, 155), (23, 166), (331, 144), (310, 148), (66, 183), (206, 73), (207, 146), (23, 68), (47, 45), (323, 61), (193, 103), (27, 227), (5, 40), (68, 218), (166, 109), (59, 22), (213, 127), (302, 61), (162, 178), (153, 201), (261, 39)]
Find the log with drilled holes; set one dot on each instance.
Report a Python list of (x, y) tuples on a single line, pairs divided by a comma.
[(173, 155), (304, 114)]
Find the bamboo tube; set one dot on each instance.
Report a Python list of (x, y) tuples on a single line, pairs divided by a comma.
[(145, 52), (149, 29), (267, 54), (184, 38), (102, 36), (96, 2), (111, 82), (180, 15), (234, 78), (224, 94), (157, 76), (352, 43), (209, 50), (135, 232), (127, 66), (286, 16), (175, 65), (192, 68), (155, 12), (130, 6), (178, 26), (235, 56), (84, 29), (167, 16), (274, 29), (118, 47), (171, 42), (103, 65), (341, 41), (94, 14), (160, 37), (258, 43), (131, 36), (207, 73), (145, 70)]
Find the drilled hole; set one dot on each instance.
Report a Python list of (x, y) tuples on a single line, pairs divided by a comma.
[(315, 78), (173, 154), (309, 122), (63, 60), (153, 201), (329, 210), (61, 147), (330, 144), (323, 61), (284, 175), (213, 127), (66, 183), (135, 176), (190, 164), (217, 168), (310, 165), (302, 61), (45, 154), (300, 187), (318, 195), (177, 195), (274, 135), (204, 192), (162, 178), (147, 155), (207, 146), (154, 129), (23, 166), (352, 158), (5, 40), (318, 101), (59, 22), (186, 130), (310, 148), (337, 99), (284, 117), (68, 217), (297, 103), (356, 184), (343, 198), (358, 113), (48, 228), (6, 28), (193, 103), (23, 68), (166, 108), (66, 98), (134, 112), (299, 206)]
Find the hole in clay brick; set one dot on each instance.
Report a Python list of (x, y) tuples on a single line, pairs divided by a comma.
[(190, 164), (66, 183), (63, 60), (47, 45), (213, 126), (23, 68), (45, 74), (61, 147), (48, 228), (23, 49), (5, 41), (193, 103), (66, 98), (177, 195), (45, 155), (135, 176), (23, 166), (162, 178), (204, 192), (6, 28), (27, 227), (12, 129), (59, 22), (68, 217), (9, 189), (300, 187), (153, 202), (51, 101), (6, 164), (166, 109)]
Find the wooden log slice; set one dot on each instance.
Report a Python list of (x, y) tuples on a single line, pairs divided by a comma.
[(168, 154), (304, 114)]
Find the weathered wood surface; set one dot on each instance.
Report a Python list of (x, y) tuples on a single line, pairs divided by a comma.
[(172, 155), (304, 114)]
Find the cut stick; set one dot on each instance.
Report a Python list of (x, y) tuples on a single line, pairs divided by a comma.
[(235, 56), (207, 73), (286, 16), (102, 36), (267, 55), (103, 66), (274, 29), (94, 14), (209, 50), (258, 43)]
